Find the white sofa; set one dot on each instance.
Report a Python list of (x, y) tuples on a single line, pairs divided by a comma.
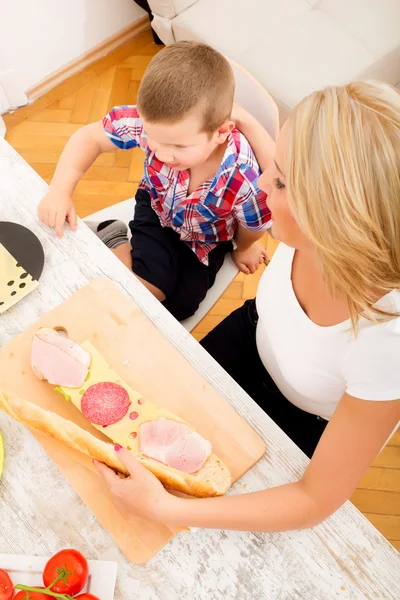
[(292, 46)]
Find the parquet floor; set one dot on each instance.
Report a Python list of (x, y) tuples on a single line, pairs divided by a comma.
[(39, 132)]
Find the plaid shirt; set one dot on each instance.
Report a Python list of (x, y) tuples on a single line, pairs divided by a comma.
[(212, 212)]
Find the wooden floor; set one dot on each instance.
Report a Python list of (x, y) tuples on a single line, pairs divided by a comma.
[(39, 132)]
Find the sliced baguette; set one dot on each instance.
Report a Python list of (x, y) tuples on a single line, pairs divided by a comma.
[(213, 479), (63, 430)]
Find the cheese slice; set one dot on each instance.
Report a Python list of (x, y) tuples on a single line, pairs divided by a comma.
[(126, 431), (15, 282)]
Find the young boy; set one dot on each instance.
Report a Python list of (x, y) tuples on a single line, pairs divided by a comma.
[(199, 188)]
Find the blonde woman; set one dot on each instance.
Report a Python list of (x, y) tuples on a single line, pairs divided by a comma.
[(319, 348)]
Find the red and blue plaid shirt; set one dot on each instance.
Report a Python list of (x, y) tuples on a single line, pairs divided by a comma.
[(212, 212)]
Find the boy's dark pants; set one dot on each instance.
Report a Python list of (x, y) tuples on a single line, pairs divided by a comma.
[(162, 259)]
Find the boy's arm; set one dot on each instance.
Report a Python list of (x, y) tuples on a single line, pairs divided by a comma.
[(79, 154), (121, 128), (259, 139), (252, 216), (245, 238), (248, 255)]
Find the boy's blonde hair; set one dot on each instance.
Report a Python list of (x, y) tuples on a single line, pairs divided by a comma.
[(187, 77), (343, 179)]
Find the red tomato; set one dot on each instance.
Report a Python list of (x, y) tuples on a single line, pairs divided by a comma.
[(86, 597), (73, 565), (22, 595), (6, 586)]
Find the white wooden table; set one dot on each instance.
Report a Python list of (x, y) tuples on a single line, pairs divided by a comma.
[(345, 557)]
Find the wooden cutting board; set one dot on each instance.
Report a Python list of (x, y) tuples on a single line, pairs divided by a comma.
[(148, 362)]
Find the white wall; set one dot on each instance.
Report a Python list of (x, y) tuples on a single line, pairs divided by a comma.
[(38, 37)]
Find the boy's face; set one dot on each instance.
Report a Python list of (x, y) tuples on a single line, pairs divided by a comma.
[(184, 145)]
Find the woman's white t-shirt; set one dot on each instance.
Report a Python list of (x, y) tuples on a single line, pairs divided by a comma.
[(314, 366)]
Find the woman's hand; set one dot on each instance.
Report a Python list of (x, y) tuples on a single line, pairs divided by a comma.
[(240, 115), (141, 495), (259, 139)]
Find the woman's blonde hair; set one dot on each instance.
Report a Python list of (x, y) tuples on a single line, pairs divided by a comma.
[(343, 181)]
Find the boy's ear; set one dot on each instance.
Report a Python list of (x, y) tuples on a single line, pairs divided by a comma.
[(224, 130)]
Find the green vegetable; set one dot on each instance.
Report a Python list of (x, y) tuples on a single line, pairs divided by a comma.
[(59, 390), (87, 376), (81, 392)]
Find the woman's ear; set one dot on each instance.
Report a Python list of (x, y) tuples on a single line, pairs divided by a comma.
[(224, 130)]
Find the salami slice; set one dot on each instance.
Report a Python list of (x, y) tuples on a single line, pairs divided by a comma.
[(105, 403)]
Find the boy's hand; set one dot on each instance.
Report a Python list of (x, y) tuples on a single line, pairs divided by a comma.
[(249, 260), (55, 208)]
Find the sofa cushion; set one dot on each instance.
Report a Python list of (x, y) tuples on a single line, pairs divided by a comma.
[(308, 52), (233, 26), (296, 46), (376, 23)]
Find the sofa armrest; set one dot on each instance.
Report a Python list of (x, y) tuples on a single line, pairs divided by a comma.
[(163, 13), (169, 9)]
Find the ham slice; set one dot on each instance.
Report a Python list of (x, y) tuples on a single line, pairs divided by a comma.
[(58, 359), (174, 444)]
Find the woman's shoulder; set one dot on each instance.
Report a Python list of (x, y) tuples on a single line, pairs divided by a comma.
[(371, 364), (390, 303), (278, 270), (379, 333), (283, 255)]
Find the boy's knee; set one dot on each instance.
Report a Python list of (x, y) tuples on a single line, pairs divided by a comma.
[(181, 308)]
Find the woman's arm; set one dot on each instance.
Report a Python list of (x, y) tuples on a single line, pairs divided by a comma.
[(351, 441), (259, 139), (349, 445)]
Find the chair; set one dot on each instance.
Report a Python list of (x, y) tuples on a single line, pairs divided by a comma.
[(252, 96)]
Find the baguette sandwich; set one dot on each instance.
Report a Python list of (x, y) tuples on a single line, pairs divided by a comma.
[(213, 479), (170, 448)]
